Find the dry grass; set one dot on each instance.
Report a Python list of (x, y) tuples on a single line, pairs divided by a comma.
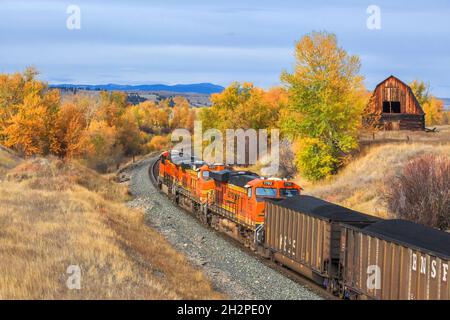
[(442, 135), (359, 185), (55, 214), (8, 160)]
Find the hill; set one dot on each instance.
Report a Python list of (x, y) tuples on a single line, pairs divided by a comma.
[(204, 88), (56, 214), (360, 184), (446, 103)]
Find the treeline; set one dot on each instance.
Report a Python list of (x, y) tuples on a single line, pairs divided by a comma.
[(318, 109), (101, 132)]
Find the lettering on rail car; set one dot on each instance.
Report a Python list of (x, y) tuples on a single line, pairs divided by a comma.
[(423, 267)]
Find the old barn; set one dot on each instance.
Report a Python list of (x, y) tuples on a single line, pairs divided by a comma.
[(393, 106)]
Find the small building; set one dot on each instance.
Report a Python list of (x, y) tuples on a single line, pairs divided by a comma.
[(393, 106)]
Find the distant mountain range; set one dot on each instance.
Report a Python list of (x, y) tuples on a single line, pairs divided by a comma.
[(446, 103), (203, 88)]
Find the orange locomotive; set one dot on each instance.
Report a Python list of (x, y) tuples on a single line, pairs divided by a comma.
[(230, 201)]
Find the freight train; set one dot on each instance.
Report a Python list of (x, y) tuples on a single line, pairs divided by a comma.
[(351, 254)]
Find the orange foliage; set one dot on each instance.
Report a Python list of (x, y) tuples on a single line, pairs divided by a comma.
[(158, 143), (99, 131), (70, 125)]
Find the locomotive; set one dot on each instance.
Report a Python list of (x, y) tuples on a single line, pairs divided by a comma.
[(232, 202), (351, 254)]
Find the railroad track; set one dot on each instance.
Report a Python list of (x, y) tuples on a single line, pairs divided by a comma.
[(312, 286)]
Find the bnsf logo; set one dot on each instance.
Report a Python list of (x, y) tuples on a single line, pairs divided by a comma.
[(286, 245), (422, 265)]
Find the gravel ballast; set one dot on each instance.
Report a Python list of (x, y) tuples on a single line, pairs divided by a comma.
[(234, 272)]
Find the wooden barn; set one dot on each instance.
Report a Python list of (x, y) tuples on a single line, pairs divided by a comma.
[(393, 106)]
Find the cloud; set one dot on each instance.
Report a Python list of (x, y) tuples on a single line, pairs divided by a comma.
[(175, 41)]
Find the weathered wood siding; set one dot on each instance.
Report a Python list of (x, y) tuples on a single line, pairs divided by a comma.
[(411, 116)]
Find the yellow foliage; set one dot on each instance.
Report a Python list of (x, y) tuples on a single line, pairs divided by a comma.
[(158, 143), (434, 112), (70, 125), (31, 129)]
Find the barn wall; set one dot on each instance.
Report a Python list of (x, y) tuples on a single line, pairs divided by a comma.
[(404, 95), (411, 116)]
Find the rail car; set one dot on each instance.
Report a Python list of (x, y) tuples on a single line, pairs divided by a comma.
[(411, 260), (351, 254), (229, 201)]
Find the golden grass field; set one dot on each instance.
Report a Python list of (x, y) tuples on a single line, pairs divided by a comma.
[(359, 185), (55, 214)]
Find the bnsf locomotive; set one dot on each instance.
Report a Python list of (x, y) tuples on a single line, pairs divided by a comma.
[(353, 255)]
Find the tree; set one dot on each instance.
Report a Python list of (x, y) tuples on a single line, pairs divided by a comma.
[(111, 107), (182, 115), (159, 143), (421, 91), (100, 148), (243, 106), (326, 99), (434, 111), (28, 114), (71, 123), (128, 134), (433, 107)]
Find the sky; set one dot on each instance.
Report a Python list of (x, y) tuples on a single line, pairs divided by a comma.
[(181, 41)]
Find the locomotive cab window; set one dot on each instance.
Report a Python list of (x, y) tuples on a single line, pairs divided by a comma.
[(266, 192), (289, 192), (249, 192), (205, 175)]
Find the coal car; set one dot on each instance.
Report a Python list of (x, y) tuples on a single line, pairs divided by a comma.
[(395, 260), (304, 233)]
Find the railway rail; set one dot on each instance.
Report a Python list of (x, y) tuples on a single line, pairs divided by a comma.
[(301, 280), (330, 249)]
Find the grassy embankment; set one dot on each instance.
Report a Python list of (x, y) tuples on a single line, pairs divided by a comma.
[(55, 214), (359, 185)]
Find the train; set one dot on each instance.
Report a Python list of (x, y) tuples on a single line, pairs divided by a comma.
[(350, 254)]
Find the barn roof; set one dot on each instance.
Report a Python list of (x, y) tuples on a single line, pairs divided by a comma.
[(406, 85)]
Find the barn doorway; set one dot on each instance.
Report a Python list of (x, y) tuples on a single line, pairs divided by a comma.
[(391, 107)]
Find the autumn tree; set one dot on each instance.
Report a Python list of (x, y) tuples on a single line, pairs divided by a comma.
[(151, 117), (71, 123), (182, 115), (326, 99), (243, 106), (111, 107), (421, 90), (158, 143), (28, 113), (100, 147), (434, 112), (433, 107), (128, 134), (100, 130)]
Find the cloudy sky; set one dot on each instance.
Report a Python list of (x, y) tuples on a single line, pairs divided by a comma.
[(181, 41)]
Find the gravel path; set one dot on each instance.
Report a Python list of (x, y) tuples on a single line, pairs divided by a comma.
[(231, 270)]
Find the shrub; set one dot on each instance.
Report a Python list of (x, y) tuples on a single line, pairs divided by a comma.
[(421, 192), (158, 143)]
